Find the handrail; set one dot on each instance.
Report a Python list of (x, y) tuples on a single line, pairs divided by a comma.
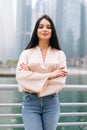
[(62, 104), (62, 114), (66, 88), (59, 124), (13, 87)]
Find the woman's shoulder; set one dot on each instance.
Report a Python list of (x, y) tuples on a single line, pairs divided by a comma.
[(59, 52), (27, 51)]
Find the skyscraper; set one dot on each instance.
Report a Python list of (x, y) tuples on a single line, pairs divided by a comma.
[(50, 6), (7, 30), (40, 8), (68, 25), (46, 7), (82, 45), (84, 27), (23, 24), (15, 27)]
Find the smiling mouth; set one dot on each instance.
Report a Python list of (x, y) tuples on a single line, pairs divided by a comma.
[(44, 34)]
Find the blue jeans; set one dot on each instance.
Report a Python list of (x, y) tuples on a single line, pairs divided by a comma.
[(40, 113)]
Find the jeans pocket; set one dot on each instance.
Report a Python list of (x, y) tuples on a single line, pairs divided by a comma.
[(26, 96)]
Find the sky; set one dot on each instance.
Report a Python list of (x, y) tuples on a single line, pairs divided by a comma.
[(33, 2), (85, 0)]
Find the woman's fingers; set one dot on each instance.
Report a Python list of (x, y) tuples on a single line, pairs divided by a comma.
[(62, 72), (63, 67), (24, 66)]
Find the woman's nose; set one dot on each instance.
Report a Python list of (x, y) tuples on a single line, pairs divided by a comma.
[(45, 28)]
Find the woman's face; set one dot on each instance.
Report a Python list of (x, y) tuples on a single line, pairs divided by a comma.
[(44, 30)]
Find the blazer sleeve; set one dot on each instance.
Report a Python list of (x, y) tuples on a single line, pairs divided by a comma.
[(28, 80)]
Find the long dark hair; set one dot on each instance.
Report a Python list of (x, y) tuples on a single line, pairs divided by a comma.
[(53, 40)]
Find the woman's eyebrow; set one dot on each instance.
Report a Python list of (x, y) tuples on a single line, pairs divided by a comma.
[(46, 25)]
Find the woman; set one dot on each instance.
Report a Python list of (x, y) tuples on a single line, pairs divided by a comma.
[(41, 74)]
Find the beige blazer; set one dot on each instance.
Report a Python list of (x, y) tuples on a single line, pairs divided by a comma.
[(36, 79)]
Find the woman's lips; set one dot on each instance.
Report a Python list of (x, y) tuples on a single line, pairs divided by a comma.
[(44, 34)]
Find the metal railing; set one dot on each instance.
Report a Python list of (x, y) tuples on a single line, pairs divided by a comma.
[(13, 87)]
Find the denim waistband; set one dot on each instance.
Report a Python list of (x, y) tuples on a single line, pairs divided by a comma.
[(37, 95)]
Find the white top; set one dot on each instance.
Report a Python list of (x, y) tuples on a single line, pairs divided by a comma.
[(36, 79)]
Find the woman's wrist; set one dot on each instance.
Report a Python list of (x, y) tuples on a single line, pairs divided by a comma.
[(51, 76)]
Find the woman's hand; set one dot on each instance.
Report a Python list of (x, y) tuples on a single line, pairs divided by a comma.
[(24, 67), (54, 74), (58, 73)]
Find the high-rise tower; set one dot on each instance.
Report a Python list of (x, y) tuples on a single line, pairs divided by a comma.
[(68, 25), (23, 24)]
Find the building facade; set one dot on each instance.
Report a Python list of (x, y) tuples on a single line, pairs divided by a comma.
[(17, 20), (7, 30), (23, 23), (69, 25)]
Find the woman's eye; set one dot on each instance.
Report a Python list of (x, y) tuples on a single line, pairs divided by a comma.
[(49, 27), (40, 27)]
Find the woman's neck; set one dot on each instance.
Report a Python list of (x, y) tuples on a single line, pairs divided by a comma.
[(43, 45)]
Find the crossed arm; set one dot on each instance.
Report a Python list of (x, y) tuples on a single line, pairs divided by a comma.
[(54, 74)]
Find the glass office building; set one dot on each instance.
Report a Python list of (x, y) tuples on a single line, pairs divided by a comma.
[(17, 19)]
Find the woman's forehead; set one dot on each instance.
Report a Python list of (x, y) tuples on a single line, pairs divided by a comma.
[(44, 21)]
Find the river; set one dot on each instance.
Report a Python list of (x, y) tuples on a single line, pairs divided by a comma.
[(15, 96)]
